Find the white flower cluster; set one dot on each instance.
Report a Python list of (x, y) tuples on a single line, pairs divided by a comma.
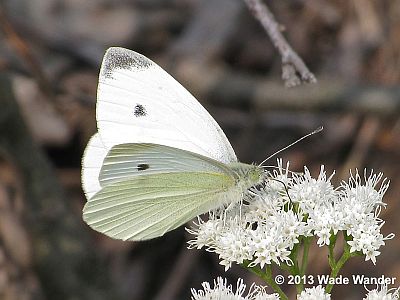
[(314, 293), (222, 291), (271, 219), (383, 293)]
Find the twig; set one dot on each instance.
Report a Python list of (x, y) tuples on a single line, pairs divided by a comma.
[(294, 70), (228, 89)]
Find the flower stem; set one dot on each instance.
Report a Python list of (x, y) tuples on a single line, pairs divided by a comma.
[(294, 269), (337, 265), (335, 271), (304, 261), (267, 277), (331, 247)]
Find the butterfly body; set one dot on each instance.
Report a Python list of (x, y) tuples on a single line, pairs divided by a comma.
[(158, 159)]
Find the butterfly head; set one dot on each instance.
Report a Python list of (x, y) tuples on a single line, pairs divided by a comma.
[(248, 175)]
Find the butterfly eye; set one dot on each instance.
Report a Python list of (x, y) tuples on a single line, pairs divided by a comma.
[(139, 111), (142, 167)]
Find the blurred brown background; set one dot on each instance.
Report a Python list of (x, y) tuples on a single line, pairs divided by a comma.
[(50, 52)]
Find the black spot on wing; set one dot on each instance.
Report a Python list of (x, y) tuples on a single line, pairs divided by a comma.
[(125, 59), (139, 111), (142, 167)]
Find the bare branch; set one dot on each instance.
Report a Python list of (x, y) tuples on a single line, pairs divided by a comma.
[(294, 70), (223, 87)]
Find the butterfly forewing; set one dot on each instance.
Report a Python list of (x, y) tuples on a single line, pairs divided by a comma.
[(138, 102), (145, 207), (128, 160)]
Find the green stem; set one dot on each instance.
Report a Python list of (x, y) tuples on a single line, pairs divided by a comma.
[(294, 269), (331, 247), (267, 277), (287, 268), (336, 266), (335, 271), (304, 261)]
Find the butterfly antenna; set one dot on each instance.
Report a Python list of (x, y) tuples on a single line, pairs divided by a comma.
[(319, 129)]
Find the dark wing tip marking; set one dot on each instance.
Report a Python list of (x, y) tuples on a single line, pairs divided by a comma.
[(121, 58), (142, 167), (140, 110)]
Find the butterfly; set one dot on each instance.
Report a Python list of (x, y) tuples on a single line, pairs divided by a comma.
[(158, 159)]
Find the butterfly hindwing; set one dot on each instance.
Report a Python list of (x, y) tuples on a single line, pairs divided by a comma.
[(127, 160), (92, 161), (145, 207)]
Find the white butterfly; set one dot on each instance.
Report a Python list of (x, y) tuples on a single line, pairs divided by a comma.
[(158, 159)]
